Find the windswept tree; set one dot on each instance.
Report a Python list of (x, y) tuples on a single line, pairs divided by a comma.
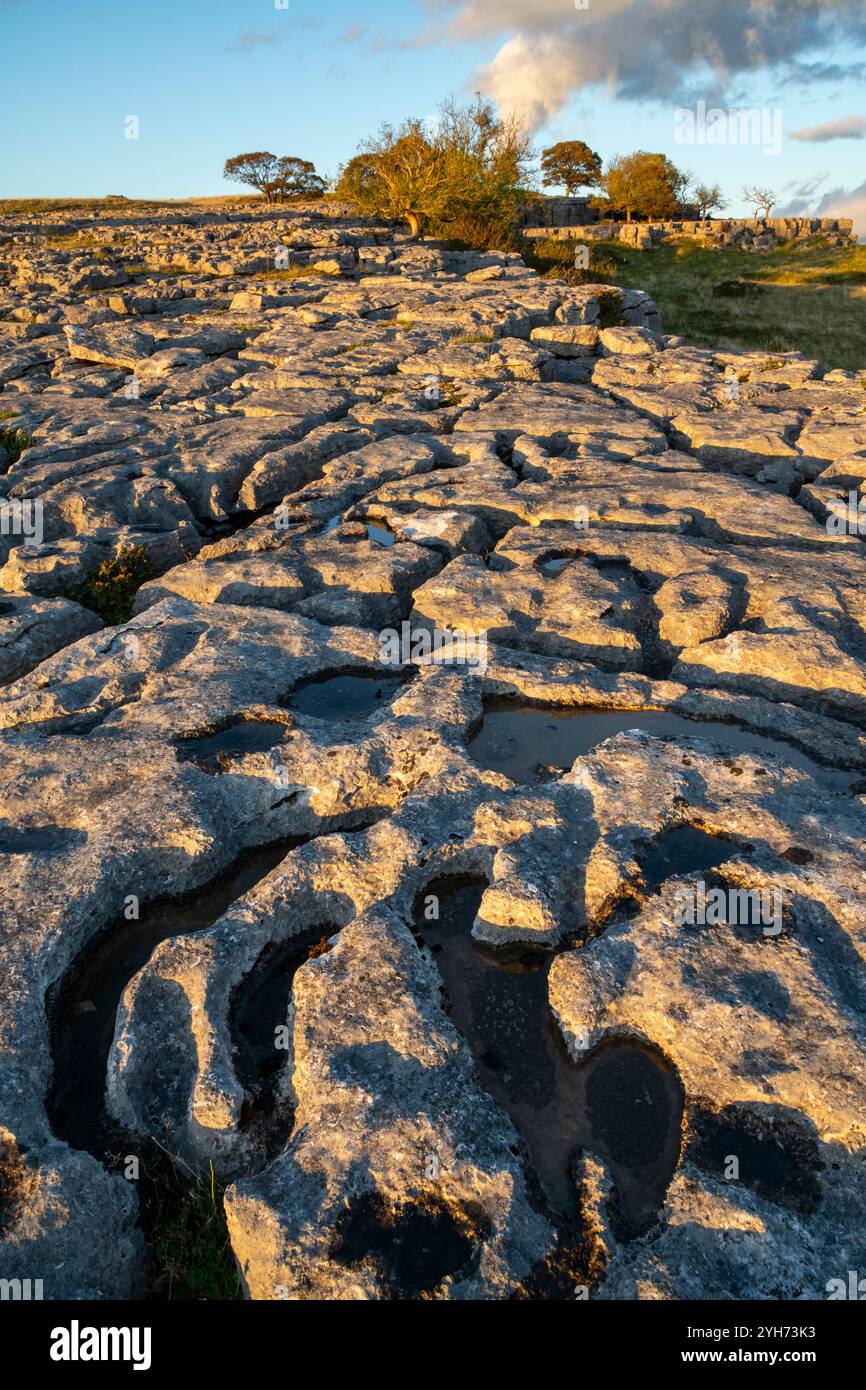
[(570, 164), (257, 170), (275, 178), (469, 163), (647, 184), (763, 200), (707, 198), (296, 178), (401, 175)]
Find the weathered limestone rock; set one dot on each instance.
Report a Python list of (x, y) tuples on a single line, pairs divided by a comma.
[(645, 537), (476, 1215), (31, 630), (117, 347)]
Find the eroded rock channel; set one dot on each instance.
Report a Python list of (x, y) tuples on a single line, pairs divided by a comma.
[(83, 1007), (622, 1102)]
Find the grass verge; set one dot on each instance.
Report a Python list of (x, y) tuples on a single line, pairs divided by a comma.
[(809, 299)]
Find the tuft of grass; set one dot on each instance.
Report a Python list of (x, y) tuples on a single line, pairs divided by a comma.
[(358, 347), (110, 588), (14, 442), (191, 1255), (610, 310), (75, 241), (292, 272)]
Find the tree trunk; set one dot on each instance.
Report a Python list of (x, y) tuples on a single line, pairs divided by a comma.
[(414, 225)]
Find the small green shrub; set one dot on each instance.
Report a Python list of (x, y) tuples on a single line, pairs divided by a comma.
[(110, 588), (14, 442), (610, 310)]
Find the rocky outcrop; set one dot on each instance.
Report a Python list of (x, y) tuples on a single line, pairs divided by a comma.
[(231, 820)]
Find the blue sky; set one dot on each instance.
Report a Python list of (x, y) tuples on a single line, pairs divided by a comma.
[(211, 78)]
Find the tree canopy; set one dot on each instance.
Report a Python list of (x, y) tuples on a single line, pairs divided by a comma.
[(572, 164), (256, 170), (647, 184), (707, 197), (762, 199), (275, 178), (295, 177), (468, 163)]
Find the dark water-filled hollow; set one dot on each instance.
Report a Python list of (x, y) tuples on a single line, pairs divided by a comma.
[(623, 1103), (347, 696), (241, 736), (779, 1161), (83, 1005), (259, 1006), (524, 740), (684, 850), (410, 1248)]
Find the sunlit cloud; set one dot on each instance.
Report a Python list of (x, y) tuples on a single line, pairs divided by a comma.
[(846, 128), (662, 50)]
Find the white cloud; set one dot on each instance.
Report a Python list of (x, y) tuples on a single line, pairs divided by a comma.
[(529, 76), (807, 200), (667, 50), (840, 202), (846, 128)]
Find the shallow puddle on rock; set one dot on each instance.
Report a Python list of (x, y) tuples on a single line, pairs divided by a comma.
[(348, 696), (550, 568), (411, 1248), (245, 736), (83, 1005), (623, 1103), (523, 740), (380, 533)]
